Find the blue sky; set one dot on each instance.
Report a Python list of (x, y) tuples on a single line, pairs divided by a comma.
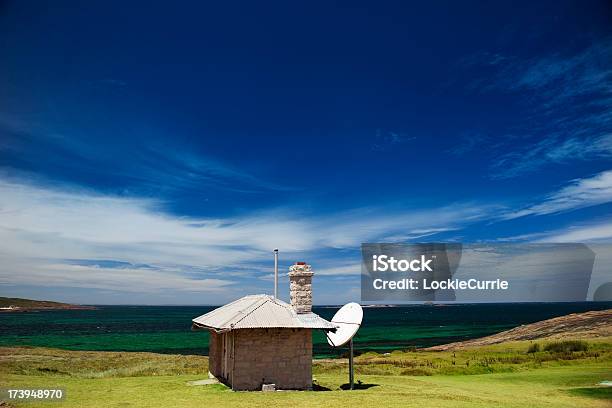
[(156, 154)]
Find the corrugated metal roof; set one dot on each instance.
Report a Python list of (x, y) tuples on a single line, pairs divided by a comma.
[(257, 312)]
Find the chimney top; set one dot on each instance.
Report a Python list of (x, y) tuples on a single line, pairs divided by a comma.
[(300, 287), (300, 268)]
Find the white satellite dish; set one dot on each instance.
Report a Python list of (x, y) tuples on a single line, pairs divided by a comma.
[(348, 319)]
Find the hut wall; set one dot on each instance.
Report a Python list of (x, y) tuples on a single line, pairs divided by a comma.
[(279, 356)]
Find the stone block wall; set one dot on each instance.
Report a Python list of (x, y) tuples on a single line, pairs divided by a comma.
[(279, 356)]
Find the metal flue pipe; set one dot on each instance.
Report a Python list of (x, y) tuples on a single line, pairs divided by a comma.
[(275, 273)]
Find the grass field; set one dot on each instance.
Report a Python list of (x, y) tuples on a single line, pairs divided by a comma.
[(503, 375)]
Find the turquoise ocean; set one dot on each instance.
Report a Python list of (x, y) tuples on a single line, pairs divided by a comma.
[(167, 329)]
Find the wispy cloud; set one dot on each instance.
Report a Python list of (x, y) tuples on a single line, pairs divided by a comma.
[(36, 272), (469, 142), (568, 102), (416, 234), (136, 168), (181, 170), (387, 140), (112, 82), (580, 193), (341, 269), (593, 232), (77, 238), (555, 148)]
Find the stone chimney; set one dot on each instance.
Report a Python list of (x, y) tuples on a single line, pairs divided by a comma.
[(300, 287)]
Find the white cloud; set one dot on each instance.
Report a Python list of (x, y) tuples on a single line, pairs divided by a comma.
[(595, 232), (36, 272), (567, 95), (42, 227), (580, 193), (598, 237), (152, 168), (554, 147), (342, 269), (415, 234)]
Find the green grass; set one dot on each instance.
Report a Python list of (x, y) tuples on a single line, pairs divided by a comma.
[(35, 361), (502, 375), (501, 358), (567, 346)]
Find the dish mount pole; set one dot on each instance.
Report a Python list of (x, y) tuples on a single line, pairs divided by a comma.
[(275, 273), (351, 368)]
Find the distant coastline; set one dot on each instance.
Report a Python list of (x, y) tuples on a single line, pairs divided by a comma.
[(16, 305)]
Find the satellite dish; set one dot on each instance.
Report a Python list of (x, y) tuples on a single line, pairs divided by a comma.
[(348, 319)]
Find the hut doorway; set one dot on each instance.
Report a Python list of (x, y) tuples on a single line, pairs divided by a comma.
[(226, 368)]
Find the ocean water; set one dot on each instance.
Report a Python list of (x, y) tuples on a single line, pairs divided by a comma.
[(167, 329)]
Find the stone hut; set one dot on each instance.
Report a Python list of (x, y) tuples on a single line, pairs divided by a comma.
[(259, 340)]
